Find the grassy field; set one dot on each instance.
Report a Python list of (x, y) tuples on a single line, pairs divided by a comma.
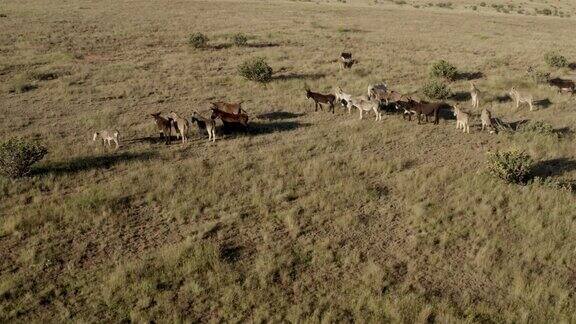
[(308, 216)]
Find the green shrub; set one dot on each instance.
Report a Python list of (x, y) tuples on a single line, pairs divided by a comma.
[(443, 69), (554, 59), (198, 40), (17, 156), (512, 166), (240, 39), (436, 90), (538, 127), (256, 70)]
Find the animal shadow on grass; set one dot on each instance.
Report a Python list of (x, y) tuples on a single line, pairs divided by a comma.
[(152, 140), (275, 115), (257, 128), (298, 76), (86, 163), (461, 96), (261, 45), (553, 167), (469, 75), (502, 98), (544, 103), (230, 253)]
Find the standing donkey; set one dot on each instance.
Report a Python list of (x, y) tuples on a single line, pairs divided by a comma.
[(319, 99), (475, 94)]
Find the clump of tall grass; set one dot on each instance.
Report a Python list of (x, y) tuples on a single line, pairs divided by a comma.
[(198, 40), (17, 157), (21, 82), (256, 69), (511, 166), (240, 39)]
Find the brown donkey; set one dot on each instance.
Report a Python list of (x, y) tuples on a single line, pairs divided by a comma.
[(319, 99), (228, 118), (164, 125)]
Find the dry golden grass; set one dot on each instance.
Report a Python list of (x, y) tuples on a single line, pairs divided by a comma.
[(306, 217)]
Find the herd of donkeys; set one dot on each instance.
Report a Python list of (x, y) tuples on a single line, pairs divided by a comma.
[(378, 96)]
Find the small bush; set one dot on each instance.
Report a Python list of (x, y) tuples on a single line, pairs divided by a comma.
[(538, 127), (17, 156), (512, 166), (198, 40), (240, 39), (443, 69), (436, 90), (538, 76), (256, 70), (554, 59)]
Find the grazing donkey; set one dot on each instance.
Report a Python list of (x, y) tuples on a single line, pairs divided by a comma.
[(343, 98), (364, 104), (319, 99), (563, 85), (164, 125), (475, 95), (228, 118), (108, 136), (521, 98), (486, 119), (183, 126), (425, 109), (374, 89), (388, 96), (462, 119), (346, 60), (232, 108), (205, 123)]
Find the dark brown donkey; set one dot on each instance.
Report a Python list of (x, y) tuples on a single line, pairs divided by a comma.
[(563, 85), (319, 99), (426, 109), (228, 118)]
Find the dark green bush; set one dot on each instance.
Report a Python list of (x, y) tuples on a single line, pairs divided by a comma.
[(256, 69), (512, 166), (198, 40), (17, 156), (443, 69), (240, 39), (436, 90), (554, 59)]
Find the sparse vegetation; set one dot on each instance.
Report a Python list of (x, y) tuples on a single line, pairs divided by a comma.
[(240, 39), (443, 69), (256, 69), (17, 157), (554, 59), (198, 40), (305, 216), (512, 166), (435, 89)]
